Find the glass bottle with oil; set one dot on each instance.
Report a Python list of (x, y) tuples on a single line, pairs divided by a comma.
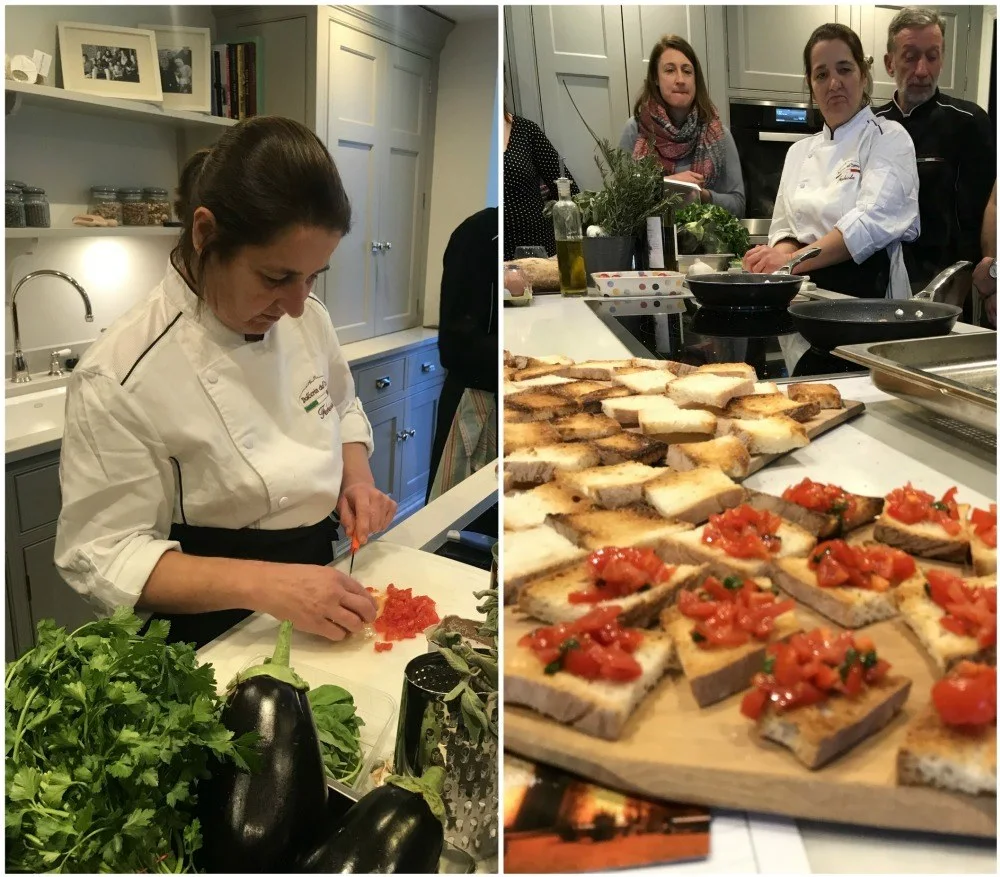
[(569, 242)]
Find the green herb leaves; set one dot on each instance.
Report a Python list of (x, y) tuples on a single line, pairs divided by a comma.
[(339, 728), (709, 228), (107, 736)]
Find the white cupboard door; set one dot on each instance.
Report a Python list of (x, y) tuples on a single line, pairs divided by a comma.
[(355, 86), (387, 428), (402, 215), (643, 28), (581, 48), (766, 44), (873, 28), (420, 423)]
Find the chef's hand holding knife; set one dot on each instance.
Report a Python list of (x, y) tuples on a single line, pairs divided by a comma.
[(323, 600)]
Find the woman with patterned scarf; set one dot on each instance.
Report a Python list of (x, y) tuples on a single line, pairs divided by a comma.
[(675, 119)]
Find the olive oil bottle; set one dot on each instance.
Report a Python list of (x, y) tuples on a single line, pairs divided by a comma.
[(569, 242)]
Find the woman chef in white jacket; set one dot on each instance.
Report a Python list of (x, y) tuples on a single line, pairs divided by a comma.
[(214, 428), (851, 189)]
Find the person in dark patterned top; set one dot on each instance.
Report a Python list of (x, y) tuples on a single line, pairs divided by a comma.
[(530, 169)]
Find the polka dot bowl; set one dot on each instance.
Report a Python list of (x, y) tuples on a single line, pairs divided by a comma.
[(619, 284)]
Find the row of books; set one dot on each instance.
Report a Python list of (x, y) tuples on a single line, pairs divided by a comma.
[(237, 82)]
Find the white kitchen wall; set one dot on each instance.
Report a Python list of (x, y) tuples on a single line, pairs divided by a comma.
[(985, 52), (465, 163)]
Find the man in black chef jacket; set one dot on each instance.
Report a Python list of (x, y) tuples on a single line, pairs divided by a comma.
[(955, 145)]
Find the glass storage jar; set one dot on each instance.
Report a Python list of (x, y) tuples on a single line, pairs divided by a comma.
[(158, 205), (134, 209), (13, 207), (36, 208), (104, 203)]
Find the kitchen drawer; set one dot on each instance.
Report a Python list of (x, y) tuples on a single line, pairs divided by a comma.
[(377, 382), (38, 497), (424, 366)]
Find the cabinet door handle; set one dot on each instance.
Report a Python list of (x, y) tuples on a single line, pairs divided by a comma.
[(427, 367), (375, 246), (383, 383), (401, 436), (410, 433), (388, 245)]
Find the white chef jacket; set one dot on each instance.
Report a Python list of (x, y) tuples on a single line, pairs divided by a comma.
[(861, 179), (173, 417)]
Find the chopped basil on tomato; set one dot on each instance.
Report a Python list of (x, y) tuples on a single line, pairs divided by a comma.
[(869, 659), (769, 665), (732, 582), (555, 666), (939, 506), (697, 637)]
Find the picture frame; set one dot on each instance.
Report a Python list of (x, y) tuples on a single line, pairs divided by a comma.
[(109, 61), (185, 62)]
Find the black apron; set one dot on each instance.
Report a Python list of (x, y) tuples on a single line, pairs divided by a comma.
[(870, 279), (313, 544)]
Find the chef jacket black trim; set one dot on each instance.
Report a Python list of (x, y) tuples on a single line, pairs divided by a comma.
[(180, 487), (156, 340)]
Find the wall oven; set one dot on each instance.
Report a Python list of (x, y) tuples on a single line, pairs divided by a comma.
[(763, 131)]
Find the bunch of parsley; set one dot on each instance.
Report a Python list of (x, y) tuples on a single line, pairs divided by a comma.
[(107, 734)]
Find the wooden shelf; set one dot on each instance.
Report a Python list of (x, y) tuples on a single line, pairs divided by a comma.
[(137, 231), (136, 111)]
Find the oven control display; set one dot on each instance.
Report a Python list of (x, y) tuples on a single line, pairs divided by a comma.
[(790, 115)]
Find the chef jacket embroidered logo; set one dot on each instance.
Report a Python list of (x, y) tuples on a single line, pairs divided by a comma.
[(848, 169), (314, 396)]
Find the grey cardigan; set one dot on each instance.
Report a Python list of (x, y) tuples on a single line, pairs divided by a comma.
[(728, 191)]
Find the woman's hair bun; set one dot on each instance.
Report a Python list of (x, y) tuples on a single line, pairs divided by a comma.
[(186, 187)]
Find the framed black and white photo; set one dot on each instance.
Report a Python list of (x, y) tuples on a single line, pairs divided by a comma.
[(184, 55), (109, 61)]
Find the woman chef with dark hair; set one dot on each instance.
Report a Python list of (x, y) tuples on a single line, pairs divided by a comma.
[(214, 428)]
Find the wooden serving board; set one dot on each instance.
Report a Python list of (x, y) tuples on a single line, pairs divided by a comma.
[(673, 749)]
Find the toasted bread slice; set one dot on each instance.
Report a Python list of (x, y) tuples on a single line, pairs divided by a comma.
[(626, 408), (757, 407), (926, 539), (588, 394), (511, 387), (848, 607), (728, 454), (630, 446), (689, 548), (547, 598), (946, 757), (818, 733), (538, 465), (584, 427), (517, 436), (827, 396), (923, 616), (611, 486), (530, 508), (528, 554), (520, 361), (984, 557), (628, 527), (646, 381), (866, 509), (704, 388), (678, 369), (718, 673), (531, 372), (729, 369), (596, 707), (770, 435), (666, 421), (537, 405), (693, 495), (596, 369), (761, 388)]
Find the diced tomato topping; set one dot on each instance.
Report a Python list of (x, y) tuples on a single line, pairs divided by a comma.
[(874, 567), (404, 616), (967, 696), (968, 611), (744, 532), (731, 613), (985, 524), (621, 572), (383, 646), (911, 506), (595, 646), (827, 499), (811, 667)]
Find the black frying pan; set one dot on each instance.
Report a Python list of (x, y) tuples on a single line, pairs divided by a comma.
[(757, 291), (829, 324)]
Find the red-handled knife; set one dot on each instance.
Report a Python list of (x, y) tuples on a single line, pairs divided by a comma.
[(355, 545)]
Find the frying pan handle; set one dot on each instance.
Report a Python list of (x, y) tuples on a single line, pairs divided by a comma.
[(808, 254), (942, 281)]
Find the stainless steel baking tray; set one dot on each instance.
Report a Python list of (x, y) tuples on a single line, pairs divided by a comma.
[(953, 375)]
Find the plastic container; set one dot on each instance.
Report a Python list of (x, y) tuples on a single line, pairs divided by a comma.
[(158, 205), (13, 207), (104, 203), (135, 211), (36, 208), (615, 284)]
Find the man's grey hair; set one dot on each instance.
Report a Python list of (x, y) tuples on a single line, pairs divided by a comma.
[(912, 17)]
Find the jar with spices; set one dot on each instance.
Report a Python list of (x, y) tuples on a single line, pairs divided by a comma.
[(134, 209), (104, 203), (13, 207), (158, 204), (15, 183), (36, 208)]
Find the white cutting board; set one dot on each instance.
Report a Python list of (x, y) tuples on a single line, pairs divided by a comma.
[(450, 584)]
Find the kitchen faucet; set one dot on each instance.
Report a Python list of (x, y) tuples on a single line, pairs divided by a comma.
[(19, 373)]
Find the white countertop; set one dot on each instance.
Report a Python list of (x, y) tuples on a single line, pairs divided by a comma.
[(888, 429)]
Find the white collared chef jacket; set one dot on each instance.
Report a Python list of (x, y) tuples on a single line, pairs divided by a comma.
[(173, 417), (861, 179)]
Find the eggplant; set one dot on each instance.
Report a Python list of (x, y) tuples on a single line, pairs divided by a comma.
[(397, 828), (258, 821)]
